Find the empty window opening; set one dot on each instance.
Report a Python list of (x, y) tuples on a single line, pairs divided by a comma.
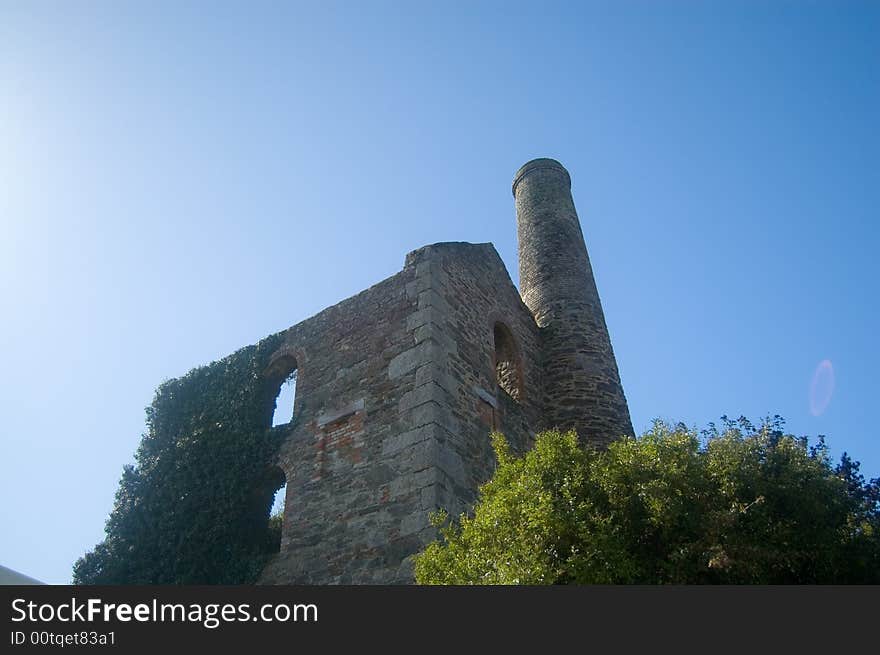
[(277, 481), (508, 369), (278, 502), (284, 400)]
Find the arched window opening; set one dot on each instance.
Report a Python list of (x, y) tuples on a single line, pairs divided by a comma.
[(284, 400), (281, 377), (278, 481), (278, 501), (508, 368)]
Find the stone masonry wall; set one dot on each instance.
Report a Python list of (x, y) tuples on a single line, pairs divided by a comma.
[(474, 292), (395, 399)]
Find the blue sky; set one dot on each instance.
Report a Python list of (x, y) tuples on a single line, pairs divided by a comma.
[(178, 180)]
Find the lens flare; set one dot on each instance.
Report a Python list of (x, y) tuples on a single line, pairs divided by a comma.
[(821, 387)]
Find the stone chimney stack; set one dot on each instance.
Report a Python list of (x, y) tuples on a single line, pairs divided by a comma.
[(582, 387)]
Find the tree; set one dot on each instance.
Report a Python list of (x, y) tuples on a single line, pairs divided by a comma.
[(738, 505)]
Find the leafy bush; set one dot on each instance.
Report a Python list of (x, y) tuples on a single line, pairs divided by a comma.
[(739, 505)]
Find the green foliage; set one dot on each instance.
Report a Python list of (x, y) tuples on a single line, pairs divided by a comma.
[(194, 508), (273, 536), (740, 505)]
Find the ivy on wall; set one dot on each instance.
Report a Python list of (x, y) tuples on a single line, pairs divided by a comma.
[(194, 508)]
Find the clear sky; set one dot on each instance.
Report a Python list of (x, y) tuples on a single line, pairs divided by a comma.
[(179, 179)]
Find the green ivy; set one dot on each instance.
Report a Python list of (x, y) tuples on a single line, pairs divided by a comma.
[(194, 509)]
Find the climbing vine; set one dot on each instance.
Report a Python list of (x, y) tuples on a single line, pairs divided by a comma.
[(194, 508)]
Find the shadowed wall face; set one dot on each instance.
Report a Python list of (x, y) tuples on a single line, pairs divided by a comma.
[(582, 387)]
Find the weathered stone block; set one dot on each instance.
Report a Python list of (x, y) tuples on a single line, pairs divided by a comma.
[(398, 442)]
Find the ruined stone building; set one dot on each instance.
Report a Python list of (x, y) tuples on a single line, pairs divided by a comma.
[(399, 387)]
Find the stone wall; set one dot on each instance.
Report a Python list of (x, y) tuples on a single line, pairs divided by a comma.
[(474, 293), (395, 399)]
